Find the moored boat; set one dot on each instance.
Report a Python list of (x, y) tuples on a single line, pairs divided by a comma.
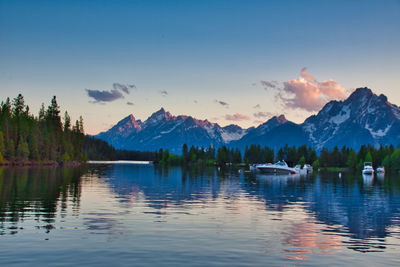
[(380, 169), (368, 169), (278, 168), (308, 168)]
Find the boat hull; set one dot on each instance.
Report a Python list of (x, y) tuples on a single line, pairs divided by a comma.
[(272, 170), (368, 171)]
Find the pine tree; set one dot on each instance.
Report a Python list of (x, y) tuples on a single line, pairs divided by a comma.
[(67, 122), (19, 105), (2, 145), (22, 150), (42, 113)]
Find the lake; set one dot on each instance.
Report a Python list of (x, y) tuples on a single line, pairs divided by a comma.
[(143, 215)]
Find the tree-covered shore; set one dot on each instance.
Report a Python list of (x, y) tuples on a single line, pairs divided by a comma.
[(328, 159), (26, 139)]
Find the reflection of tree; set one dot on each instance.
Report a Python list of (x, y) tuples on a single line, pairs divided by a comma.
[(35, 192)]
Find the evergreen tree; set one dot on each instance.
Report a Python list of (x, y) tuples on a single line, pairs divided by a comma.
[(67, 122), (22, 150), (368, 157), (2, 145), (18, 105), (352, 160), (42, 113), (302, 161)]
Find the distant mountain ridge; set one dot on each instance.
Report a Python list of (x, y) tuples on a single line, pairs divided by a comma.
[(363, 118), (163, 130)]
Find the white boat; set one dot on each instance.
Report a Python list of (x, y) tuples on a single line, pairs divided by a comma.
[(297, 168), (308, 168), (368, 169), (278, 168), (380, 169)]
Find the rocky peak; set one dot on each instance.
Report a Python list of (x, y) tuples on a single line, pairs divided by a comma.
[(158, 116)]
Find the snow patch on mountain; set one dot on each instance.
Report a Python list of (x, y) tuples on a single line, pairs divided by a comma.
[(309, 128), (343, 116), (210, 130), (172, 128), (228, 137), (379, 133), (396, 111)]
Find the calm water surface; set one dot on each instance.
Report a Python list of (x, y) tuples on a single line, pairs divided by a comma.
[(147, 216)]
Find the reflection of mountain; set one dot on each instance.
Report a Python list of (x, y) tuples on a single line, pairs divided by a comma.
[(365, 211), (167, 187), (36, 192)]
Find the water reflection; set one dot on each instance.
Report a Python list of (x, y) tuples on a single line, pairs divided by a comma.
[(301, 217), (36, 193), (364, 208), (359, 208)]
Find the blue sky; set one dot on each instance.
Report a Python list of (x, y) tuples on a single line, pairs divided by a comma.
[(200, 53)]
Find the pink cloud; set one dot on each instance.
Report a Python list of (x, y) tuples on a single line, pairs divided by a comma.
[(309, 94), (261, 115), (237, 117), (305, 75)]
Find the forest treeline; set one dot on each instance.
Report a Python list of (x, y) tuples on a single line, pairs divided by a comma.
[(49, 138), (96, 149), (42, 138), (345, 157)]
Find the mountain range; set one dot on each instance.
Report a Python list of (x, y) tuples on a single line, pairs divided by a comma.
[(363, 118)]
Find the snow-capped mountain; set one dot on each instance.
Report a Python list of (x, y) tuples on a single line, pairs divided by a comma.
[(163, 130), (363, 118), (122, 130)]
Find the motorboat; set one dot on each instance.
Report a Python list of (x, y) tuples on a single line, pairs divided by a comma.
[(368, 169), (278, 168), (297, 168), (380, 169), (308, 168)]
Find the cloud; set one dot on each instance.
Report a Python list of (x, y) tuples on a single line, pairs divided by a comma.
[(237, 117), (126, 88), (129, 103), (261, 115), (305, 75), (195, 101), (269, 85), (257, 106), (222, 103), (163, 93), (104, 96), (258, 121), (307, 93)]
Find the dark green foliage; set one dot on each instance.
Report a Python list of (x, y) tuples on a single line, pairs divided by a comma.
[(96, 149), (348, 158), (222, 156), (336, 158), (302, 161), (392, 161), (26, 137)]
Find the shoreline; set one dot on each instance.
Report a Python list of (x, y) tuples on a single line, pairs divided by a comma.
[(48, 163)]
